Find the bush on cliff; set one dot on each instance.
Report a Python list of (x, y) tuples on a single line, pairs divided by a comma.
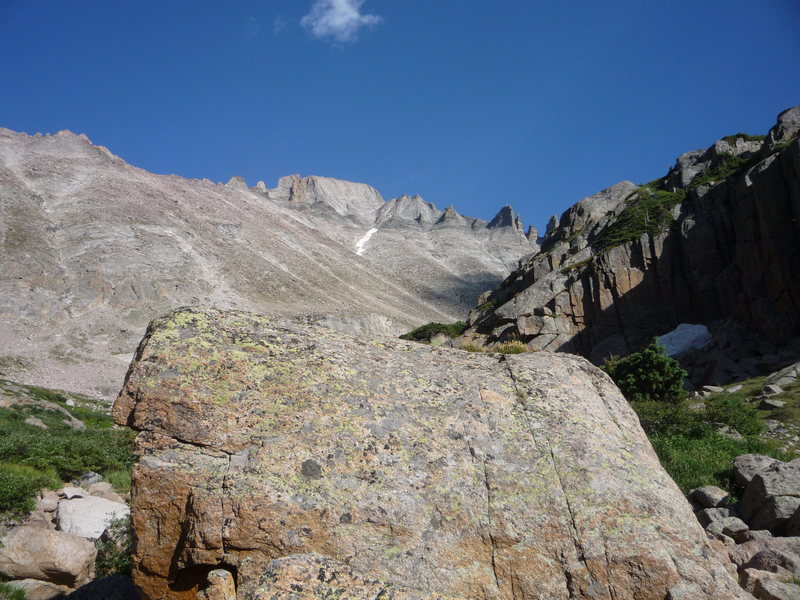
[(648, 375), (426, 332)]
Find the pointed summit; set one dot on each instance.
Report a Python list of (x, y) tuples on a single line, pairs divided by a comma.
[(504, 218)]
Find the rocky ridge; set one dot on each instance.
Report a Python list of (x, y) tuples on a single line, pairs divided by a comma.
[(715, 242), (304, 461), (92, 249)]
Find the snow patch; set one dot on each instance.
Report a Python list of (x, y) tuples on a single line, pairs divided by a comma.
[(685, 337), (360, 244)]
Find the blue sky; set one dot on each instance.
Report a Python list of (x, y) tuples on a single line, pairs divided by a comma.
[(477, 104)]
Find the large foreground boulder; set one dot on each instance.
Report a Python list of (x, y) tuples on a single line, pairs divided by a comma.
[(434, 471)]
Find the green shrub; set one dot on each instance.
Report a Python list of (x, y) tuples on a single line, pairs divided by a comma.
[(68, 452), (114, 552), (667, 418), (32, 458), (728, 410), (728, 166), (515, 347), (648, 375), (429, 330), (648, 210), (20, 483), (731, 139)]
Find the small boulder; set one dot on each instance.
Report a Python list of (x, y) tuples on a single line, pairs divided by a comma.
[(729, 526), (100, 487), (772, 559), (748, 577), (88, 517), (48, 502), (710, 496), (71, 491), (39, 590), (87, 479), (792, 526), (770, 589), (712, 389), (771, 390), (778, 479), (737, 530), (45, 555), (747, 465), (775, 514), (219, 586), (709, 515), (770, 404), (36, 422)]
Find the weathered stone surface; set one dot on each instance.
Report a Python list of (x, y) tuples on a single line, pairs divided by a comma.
[(741, 554), (772, 496), (748, 577), (462, 474), (747, 465), (731, 527), (770, 404), (773, 559), (314, 576), (710, 496), (770, 589), (88, 517), (709, 515), (39, 590), (53, 556), (220, 585)]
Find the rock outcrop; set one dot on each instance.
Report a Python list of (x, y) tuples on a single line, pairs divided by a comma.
[(717, 239), (92, 249), (286, 453)]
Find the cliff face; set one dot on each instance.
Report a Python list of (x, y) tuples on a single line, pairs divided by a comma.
[(717, 238), (92, 249)]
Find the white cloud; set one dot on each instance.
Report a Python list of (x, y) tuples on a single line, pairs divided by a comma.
[(340, 20), (278, 25), (252, 29)]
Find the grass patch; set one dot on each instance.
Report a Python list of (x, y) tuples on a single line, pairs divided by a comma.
[(429, 330), (648, 210), (120, 479), (9, 592), (688, 446), (708, 459), (489, 305)]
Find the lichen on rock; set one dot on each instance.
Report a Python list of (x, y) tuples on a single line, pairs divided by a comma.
[(441, 472)]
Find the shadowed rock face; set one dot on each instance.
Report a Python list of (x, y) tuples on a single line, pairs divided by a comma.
[(92, 249), (269, 447), (732, 253)]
